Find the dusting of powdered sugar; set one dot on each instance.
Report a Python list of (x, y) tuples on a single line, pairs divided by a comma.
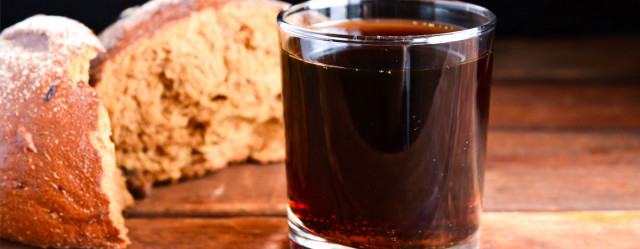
[(36, 52)]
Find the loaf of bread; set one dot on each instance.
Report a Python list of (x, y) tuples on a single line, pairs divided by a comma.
[(59, 185), (190, 86)]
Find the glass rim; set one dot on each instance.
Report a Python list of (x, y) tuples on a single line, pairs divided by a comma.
[(439, 38)]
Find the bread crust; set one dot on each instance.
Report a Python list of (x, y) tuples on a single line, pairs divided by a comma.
[(143, 21), (50, 170)]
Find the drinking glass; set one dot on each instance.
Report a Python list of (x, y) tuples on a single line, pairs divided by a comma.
[(386, 107)]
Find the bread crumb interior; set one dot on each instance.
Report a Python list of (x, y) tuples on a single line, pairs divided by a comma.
[(198, 94)]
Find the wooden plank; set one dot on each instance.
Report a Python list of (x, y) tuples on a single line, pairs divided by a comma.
[(565, 106), (562, 230), (236, 191), (563, 148), (500, 230), (568, 59), (526, 170), (545, 230), (565, 188), (558, 170), (205, 233), (232, 233)]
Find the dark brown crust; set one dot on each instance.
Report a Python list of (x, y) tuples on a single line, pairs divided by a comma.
[(148, 19), (50, 173)]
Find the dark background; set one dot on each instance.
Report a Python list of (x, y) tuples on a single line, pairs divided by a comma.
[(539, 18)]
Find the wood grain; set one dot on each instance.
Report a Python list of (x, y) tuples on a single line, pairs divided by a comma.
[(526, 170), (570, 59), (563, 148), (539, 105), (237, 191), (500, 230), (559, 189), (196, 233), (232, 233), (562, 170), (561, 230)]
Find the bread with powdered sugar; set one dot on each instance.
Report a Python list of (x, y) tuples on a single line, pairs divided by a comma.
[(59, 185)]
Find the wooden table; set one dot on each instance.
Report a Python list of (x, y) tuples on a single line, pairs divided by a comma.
[(563, 168)]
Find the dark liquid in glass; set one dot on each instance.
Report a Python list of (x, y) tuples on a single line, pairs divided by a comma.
[(385, 144)]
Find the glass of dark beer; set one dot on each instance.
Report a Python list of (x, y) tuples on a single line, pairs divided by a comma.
[(386, 106)]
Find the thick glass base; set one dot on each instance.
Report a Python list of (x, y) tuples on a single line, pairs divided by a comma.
[(303, 239)]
